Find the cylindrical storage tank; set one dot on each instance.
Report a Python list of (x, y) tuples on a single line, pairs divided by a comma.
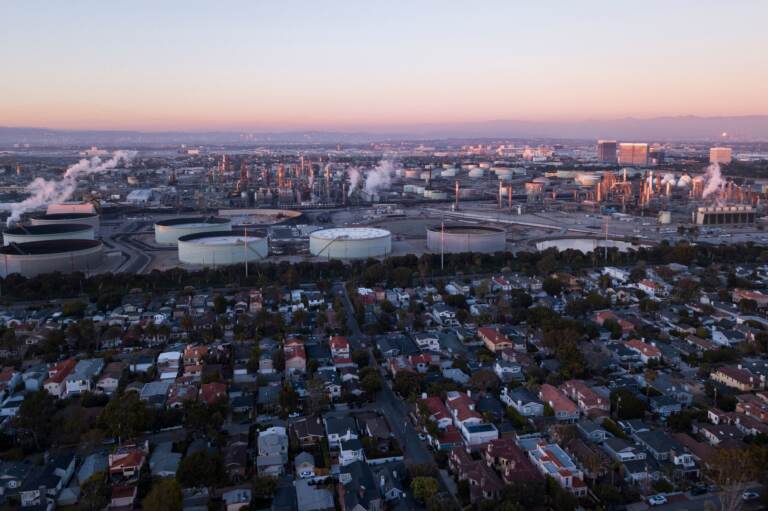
[(218, 248), (70, 207), (665, 217), (485, 165), (29, 233), (503, 172), (588, 179), (350, 243), (38, 257), (91, 219), (412, 173), (466, 238), (449, 172), (435, 194), (477, 172), (167, 232)]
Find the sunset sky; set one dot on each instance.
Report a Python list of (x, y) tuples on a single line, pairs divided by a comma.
[(324, 64)]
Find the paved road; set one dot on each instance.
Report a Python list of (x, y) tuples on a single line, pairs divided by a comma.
[(708, 502), (395, 409)]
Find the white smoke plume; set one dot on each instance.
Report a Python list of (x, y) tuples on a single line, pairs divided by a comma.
[(684, 181), (714, 180), (380, 177), (354, 179), (668, 178), (43, 192)]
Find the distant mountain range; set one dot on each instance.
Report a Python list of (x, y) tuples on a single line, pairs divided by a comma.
[(687, 128)]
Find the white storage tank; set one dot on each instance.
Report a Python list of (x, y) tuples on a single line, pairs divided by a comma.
[(221, 248), (167, 232), (466, 238), (476, 172), (38, 257), (350, 243), (91, 219), (28, 233)]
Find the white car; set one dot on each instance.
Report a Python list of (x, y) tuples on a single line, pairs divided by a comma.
[(657, 500), (750, 495)]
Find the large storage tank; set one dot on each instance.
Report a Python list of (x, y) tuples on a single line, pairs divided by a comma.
[(167, 232), (476, 172), (466, 238), (37, 257), (71, 207), (221, 247), (350, 243), (29, 233), (91, 219)]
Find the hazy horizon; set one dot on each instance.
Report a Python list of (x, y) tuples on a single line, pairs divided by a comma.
[(348, 66)]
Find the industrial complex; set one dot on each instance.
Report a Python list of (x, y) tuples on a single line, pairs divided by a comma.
[(219, 206)]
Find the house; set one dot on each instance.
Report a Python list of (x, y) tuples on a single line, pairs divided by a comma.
[(43, 485), (390, 478), (339, 347), (587, 399), (436, 411), (508, 371), (350, 451), (592, 431), (310, 497), (652, 288), (737, 378), (295, 356), (551, 460), (273, 441), (110, 378), (737, 295), (665, 405), (357, 489), (467, 420), (126, 463), (195, 354), (427, 341), (523, 400), (55, 384), (123, 497), (444, 315), (338, 429), (308, 431), (621, 450), (565, 409), (82, 377), (510, 461), (647, 352), (493, 339), (236, 460), (212, 392), (155, 393), (164, 462), (168, 364), (722, 434), (484, 483)]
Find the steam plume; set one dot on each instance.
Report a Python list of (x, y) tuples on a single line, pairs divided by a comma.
[(714, 180), (380, 177), (42, 191), (354, 179)]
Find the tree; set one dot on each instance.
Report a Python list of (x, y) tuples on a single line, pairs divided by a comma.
[(552, 286), (627, 405), (370, 381), (219, 304), (34, 419), (484, 380), (424, 488), (124, 416), (93, 492), (360, 357), (165, 495), (201, 470), (731, 469), (407, 383)]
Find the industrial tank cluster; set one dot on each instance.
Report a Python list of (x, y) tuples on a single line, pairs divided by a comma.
[(61, 240)]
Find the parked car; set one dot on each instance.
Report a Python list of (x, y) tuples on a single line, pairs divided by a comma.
[(657, 500), (750, 495), (698, 490)]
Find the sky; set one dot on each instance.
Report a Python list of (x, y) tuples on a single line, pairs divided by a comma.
[(325, 64)]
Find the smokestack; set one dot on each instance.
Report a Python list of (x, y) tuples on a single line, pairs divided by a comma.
[(456, 207), (501, 194)]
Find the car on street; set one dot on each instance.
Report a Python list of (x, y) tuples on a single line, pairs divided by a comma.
[(657, 500)]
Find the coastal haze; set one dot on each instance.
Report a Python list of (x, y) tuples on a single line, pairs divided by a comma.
[(375, 256)]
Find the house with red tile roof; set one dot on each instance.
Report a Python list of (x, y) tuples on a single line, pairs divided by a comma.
[(565, 409), (585, 398), (194, 355), (494, 340), (212, 392), (339, 346), (295, 356), (126, 463), (55, 385), (436, 410), (646, 351), (468, 420)]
